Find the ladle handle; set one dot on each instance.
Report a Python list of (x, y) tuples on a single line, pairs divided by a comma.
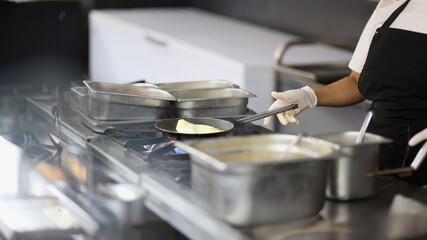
[(414, 165), (290, 145), (419, 157), (262, 115), (393, 171), (364, 127)]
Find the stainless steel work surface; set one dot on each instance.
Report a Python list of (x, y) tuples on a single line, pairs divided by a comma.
[(397, 211)]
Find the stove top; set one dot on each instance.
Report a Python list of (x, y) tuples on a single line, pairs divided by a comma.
[(156, 147)]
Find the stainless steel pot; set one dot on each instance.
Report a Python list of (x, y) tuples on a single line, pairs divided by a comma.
[(210, 102), (352, 175), (242, 181)]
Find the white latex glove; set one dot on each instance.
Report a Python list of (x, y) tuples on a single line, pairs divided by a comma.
[(304, 97), (417, 138)]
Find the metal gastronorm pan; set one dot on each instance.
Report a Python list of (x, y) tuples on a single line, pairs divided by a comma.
[(352, 175), (207, 84), (211, 98), (210, 102), (242, 180), (108, 101)]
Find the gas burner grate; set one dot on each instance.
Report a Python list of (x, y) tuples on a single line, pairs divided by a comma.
[(176, 170), (157, 148), (132, 133)]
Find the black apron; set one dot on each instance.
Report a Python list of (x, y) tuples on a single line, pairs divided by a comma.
[(394, 78)]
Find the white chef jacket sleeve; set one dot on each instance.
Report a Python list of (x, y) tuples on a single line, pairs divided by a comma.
[(361, 52)]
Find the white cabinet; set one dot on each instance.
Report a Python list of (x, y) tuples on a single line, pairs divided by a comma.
[(185, 44)]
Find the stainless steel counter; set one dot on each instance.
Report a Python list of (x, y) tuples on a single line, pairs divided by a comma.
[(397, 211)]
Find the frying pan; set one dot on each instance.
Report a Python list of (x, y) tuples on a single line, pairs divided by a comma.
[(169, 125)]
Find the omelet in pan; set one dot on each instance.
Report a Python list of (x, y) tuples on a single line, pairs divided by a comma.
[(184, 126)]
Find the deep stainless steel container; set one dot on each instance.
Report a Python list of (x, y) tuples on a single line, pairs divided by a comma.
[(352, 175), (208, 84), (210, 102), (108, 101), (242, 181)]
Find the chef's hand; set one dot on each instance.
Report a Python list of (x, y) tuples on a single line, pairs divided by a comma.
[(304, 97), (419, 137)]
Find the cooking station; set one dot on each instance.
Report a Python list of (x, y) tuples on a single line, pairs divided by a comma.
[(103, 138), (138, 153)]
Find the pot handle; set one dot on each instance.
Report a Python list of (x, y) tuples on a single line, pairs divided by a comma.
[(386, 172), (407, 170)]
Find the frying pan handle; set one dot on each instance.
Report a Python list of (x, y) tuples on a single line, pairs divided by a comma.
[(386, 172), (267, 113), (414, 165)]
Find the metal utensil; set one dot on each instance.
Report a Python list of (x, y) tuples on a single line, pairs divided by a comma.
[(289, 146), (414, 165), (362, 130)]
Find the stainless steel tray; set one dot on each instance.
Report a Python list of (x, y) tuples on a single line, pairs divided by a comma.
[(208, 84), (208, 112), (126, 93), (108, 101), (241, 180), (117, 88), (211, 98)]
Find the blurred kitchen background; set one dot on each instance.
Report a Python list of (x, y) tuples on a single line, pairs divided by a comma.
[(45, 43)]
